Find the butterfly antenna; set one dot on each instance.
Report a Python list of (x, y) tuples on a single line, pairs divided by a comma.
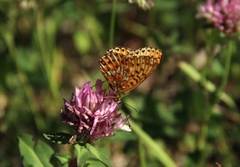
[(129, 106)]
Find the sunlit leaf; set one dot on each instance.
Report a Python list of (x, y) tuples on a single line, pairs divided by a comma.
[(100, 155), (36, 154), (63, 158)]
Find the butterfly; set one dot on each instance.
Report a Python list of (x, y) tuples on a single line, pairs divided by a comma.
[(125, 69)]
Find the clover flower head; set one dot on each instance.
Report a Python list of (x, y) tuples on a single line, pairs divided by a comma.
[(144, 4), (93, 114), (223, 14)]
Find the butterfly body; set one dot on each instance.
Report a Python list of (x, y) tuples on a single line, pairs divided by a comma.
[(125, 69)]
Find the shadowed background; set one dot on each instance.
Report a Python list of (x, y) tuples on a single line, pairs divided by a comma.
[(48, 47)]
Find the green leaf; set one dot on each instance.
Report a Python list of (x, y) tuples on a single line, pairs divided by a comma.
[(34, 155), (102, 156), (81, 153), (91, 156), (156, 150), (208, 85), (27, 59), (82, 41), (123, 136), (59, 138), (63, 157)]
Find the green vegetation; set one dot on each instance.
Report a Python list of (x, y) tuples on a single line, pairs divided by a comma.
[(187, 110)]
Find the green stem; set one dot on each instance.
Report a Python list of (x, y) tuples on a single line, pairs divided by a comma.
[(48, 56), (228, 55), (208, 85), (112, 24), (23, 81), (142, 155), (157, 150), (207, 65)]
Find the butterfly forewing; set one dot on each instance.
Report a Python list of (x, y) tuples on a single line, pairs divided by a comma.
[(125, 69), (112, 66)]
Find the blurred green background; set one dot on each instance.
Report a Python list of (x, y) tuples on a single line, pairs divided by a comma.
[(47, 47)]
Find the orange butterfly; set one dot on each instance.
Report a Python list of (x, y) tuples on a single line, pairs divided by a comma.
[(125, 69)]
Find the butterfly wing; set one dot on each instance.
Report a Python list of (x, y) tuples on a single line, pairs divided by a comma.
[(125, 69), (141, 63), (112, 66)]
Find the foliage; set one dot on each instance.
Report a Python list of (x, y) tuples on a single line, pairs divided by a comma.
[(188, 109)]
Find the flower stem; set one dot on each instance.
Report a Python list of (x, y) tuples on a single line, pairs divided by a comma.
[(157, 150), (228, 55), (112, 23), (208, 85)]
